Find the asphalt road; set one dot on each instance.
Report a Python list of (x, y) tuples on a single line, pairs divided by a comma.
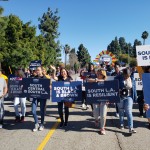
[(80, 134)]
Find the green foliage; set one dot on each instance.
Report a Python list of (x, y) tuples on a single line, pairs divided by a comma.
[(122, 49), (114, 47), (144, 36), (136, 43), (83, 55), (49, 29), (19, 44), (133, 62)]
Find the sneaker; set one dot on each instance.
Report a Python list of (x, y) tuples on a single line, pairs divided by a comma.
[(117, 115), (17, 119), (83, 106), (132, 131), (127, 127), (61, 124), (102, 132), (22, 119), (141, 116), (1, 126), (41, 128), (36, 127), (87, 107), (66, 124), (121, 127)]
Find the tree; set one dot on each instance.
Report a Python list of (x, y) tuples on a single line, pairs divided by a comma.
[(66, 50), (73, 59), (49, 29), (3, 25), (83, 56), (144, 36), (122, 44), (136, 43), (114, 47)]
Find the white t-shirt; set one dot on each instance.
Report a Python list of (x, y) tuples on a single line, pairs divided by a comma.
[(3, 84)]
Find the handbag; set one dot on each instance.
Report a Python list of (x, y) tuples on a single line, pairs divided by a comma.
[(68, 104)]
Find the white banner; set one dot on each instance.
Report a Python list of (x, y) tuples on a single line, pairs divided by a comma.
[(138, 81), (143, 55)]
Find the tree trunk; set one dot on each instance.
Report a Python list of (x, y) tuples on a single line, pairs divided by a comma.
[(65, 59), (143, 41)]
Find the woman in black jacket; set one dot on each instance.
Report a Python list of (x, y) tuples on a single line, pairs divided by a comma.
[(64, 76)]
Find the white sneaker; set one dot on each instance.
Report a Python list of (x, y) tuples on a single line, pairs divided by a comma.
[(83, 106), (117, 115), (1, 126), (41, 128), (36, 127), (132, 131), (87, 107)]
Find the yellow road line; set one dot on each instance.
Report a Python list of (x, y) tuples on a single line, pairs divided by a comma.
[(48, 136)]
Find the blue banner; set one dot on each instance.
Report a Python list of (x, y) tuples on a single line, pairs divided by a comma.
[(14, 88), (146, 85), (102, 91), (66, 91), (36, 88), (89, 75), (34, 64)]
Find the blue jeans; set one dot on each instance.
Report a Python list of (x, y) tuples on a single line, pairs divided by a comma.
[(126, 105), (42, 109), (1, 110)]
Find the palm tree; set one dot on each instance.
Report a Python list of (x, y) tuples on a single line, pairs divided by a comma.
[(144, 36), (66, 50)]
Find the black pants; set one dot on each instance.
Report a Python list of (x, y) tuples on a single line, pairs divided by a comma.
[(117, 110), (84, 98), (141, 109), (60, 111)]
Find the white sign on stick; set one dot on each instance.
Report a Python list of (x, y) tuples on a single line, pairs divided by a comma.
[(138, 82), (143, 55)]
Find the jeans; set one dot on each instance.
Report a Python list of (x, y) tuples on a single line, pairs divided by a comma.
[(60, 111), (42, 109), (100, 110), (22, 102), (126, 105), (1, 110)]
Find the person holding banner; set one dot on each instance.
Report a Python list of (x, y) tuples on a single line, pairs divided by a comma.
[(42, 105), (126, 102), (147, 109), (20, 100), (83, 78), (3, 92), (91, 69), (64, 76), (100, 109), (146, 106), (116, 73)]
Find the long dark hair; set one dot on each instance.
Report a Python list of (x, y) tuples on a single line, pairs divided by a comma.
[(89, 67), (61, 77), (126, 72)]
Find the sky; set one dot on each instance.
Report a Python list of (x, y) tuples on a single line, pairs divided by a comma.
[(93, 23)]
